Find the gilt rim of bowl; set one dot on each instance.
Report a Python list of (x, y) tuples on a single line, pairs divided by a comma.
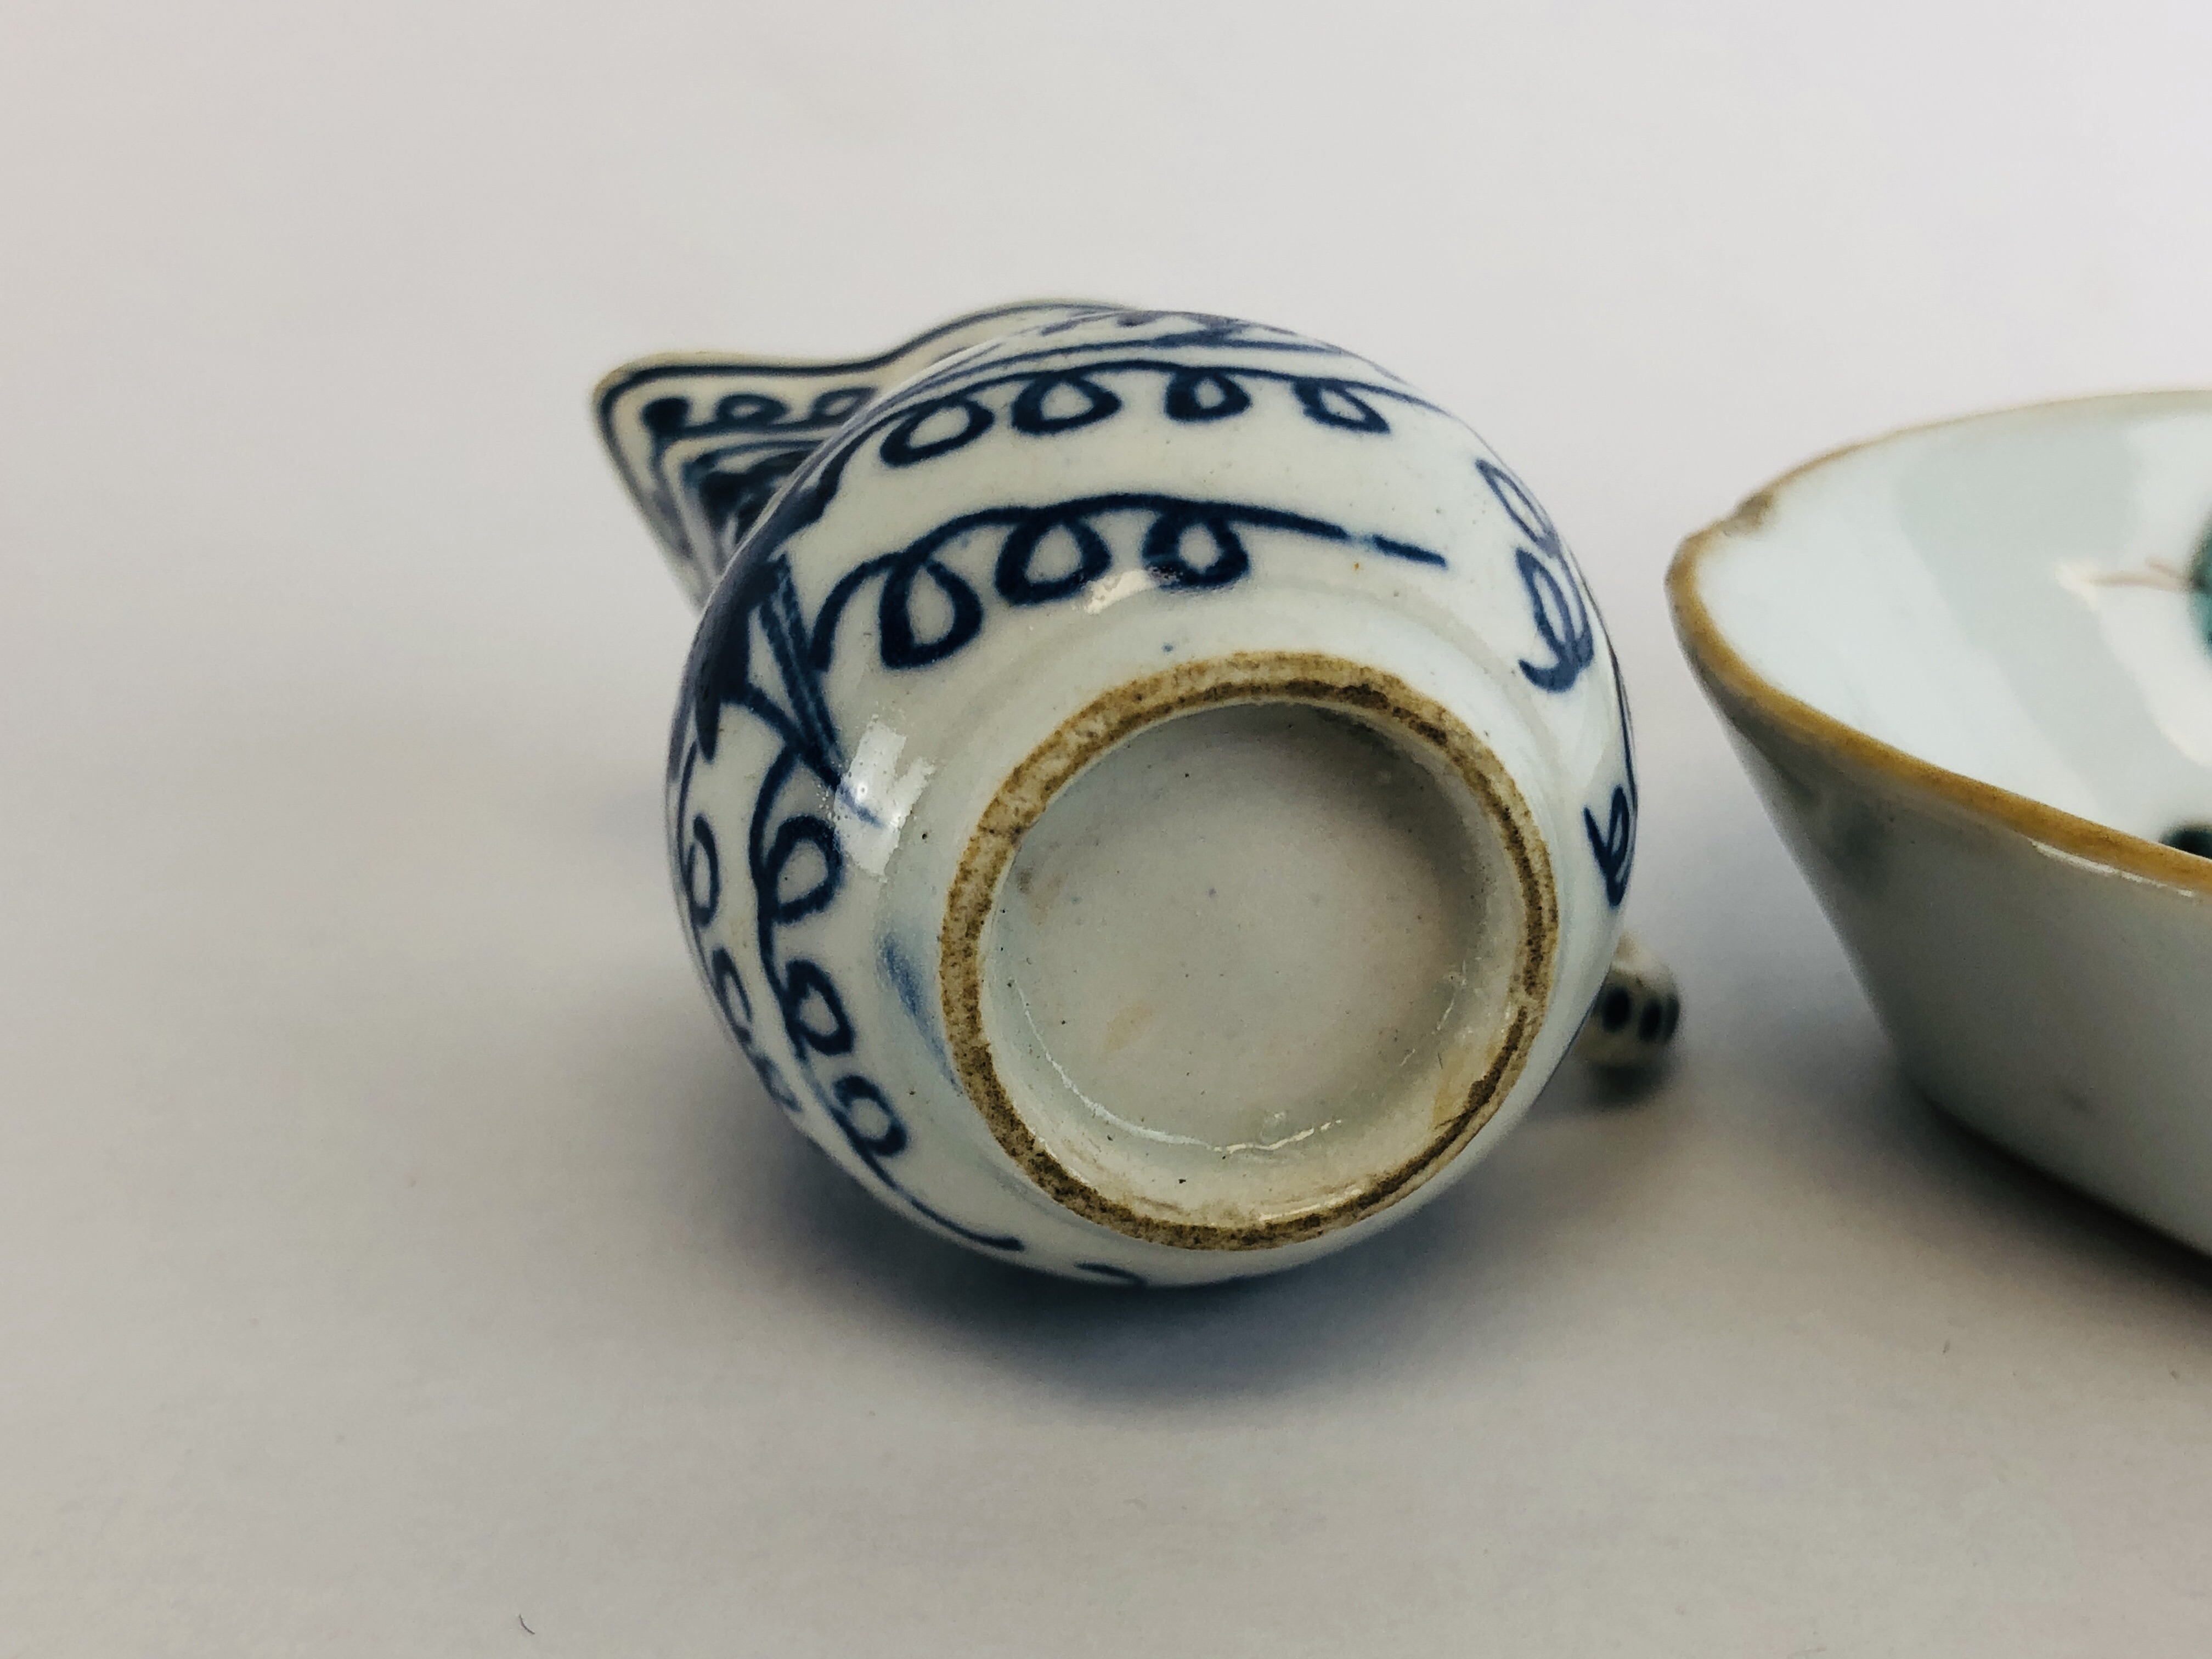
[(1741, 687)]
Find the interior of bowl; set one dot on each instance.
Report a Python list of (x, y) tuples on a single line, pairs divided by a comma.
[(2017, 598)]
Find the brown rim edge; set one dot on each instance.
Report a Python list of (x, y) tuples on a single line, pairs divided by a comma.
[(1733, 683), (1247, 677)]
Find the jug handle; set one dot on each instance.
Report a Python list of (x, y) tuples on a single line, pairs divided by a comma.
[(1632, 1024)]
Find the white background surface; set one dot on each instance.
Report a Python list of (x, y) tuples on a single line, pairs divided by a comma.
[(393, 1250)]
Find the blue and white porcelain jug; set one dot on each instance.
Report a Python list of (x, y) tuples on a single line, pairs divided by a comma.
[(1151, 795)]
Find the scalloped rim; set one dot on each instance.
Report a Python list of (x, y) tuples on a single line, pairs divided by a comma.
[(1741, 690)]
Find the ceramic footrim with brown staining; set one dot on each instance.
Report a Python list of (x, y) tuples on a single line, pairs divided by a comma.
[(1236, 1198)]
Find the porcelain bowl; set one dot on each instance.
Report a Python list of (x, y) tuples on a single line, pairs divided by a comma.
[(1968, 668)]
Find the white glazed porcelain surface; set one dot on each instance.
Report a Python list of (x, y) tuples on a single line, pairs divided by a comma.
[(1973, 684), (2004, 598), (1355, 861)]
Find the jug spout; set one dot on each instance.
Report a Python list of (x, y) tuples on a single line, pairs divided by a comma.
[(704, 440)]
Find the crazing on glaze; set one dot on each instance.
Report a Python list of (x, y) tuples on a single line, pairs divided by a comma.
[(898, 557)]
